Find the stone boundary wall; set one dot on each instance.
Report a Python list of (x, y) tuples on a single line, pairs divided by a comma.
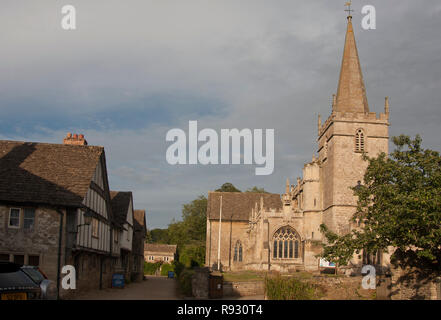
[(409, 284), (243, 288)]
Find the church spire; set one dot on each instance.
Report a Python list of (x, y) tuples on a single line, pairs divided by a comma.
[(351, 93)]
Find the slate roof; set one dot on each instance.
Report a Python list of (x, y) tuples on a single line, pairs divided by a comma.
[(237, 206), (120, 201), (160, 248), (45, 173)]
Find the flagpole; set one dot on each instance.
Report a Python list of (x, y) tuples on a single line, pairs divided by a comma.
[(219, 237)]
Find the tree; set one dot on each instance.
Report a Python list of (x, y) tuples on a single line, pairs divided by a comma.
[(256, 190), (189, 234), (399, 205), (228, 187), (157, 236), (193, 226)]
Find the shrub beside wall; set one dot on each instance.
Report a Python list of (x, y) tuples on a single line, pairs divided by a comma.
[(184, 281), (278, 288), (150, 268), (166, 267)]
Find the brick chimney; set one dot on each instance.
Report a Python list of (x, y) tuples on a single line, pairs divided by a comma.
[(75, 139)]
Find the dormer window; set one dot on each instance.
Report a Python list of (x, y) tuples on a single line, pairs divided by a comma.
[(359, 141)]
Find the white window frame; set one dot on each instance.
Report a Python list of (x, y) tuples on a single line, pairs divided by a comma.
[(24, 219), (19, 218)]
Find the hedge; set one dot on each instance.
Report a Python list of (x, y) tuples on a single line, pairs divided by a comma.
[(184, 281), (150, 268), (278, 288), (166, 267)]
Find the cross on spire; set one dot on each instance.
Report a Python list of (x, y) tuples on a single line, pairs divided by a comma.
[(349, 10)]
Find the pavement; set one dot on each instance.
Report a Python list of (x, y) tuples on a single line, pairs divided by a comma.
[(154, 288)]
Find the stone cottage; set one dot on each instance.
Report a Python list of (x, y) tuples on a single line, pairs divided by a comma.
[(154, 252), (55, 210)]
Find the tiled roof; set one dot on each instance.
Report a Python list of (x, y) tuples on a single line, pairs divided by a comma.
[(163, 248), (120, 201), (139, 223), (46, 173), (237, 206)]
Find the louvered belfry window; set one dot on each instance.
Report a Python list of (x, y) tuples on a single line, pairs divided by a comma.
[(359, 141)]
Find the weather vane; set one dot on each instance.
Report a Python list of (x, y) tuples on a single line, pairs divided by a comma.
[(348, 10)]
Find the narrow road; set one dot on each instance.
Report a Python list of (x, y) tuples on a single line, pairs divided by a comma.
[(154, 288)]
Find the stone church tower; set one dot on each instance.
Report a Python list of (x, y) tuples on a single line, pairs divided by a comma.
[(282, 232), (350, 130)]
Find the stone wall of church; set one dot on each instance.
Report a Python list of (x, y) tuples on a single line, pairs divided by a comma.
[(231, 232)]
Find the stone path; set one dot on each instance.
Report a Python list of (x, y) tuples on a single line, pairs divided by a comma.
[(154, 288)]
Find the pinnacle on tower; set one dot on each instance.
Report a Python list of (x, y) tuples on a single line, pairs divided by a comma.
[(287, 186), (386, 105), (351, 93)]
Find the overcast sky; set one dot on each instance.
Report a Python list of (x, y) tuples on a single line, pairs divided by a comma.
[(135, 69)]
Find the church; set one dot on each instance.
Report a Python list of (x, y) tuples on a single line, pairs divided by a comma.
[(262, 231)]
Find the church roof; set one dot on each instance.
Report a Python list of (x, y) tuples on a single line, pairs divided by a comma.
[(237, 206), (46, 173), (351, 92)]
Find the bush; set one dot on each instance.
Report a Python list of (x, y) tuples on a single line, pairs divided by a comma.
[(278, 288), (184, 281), (166, 267), (192, 255), (178, 267), (150, 268)]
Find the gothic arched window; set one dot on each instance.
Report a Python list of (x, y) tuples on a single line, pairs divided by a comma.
[(238, 252), (359, 141), (286, 244)]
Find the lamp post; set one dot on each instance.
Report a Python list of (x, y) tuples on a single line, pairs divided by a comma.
[(87, 219)]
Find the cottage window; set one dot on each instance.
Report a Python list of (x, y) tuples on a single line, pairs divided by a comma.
[(359, 141), (95, 227), (115, 235), (33, 260), (19, 258), (14, 218), (4, 257), (29, 218), (286, 243)]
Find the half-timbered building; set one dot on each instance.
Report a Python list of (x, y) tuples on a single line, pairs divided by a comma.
[(55, 210), (122, 208)]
